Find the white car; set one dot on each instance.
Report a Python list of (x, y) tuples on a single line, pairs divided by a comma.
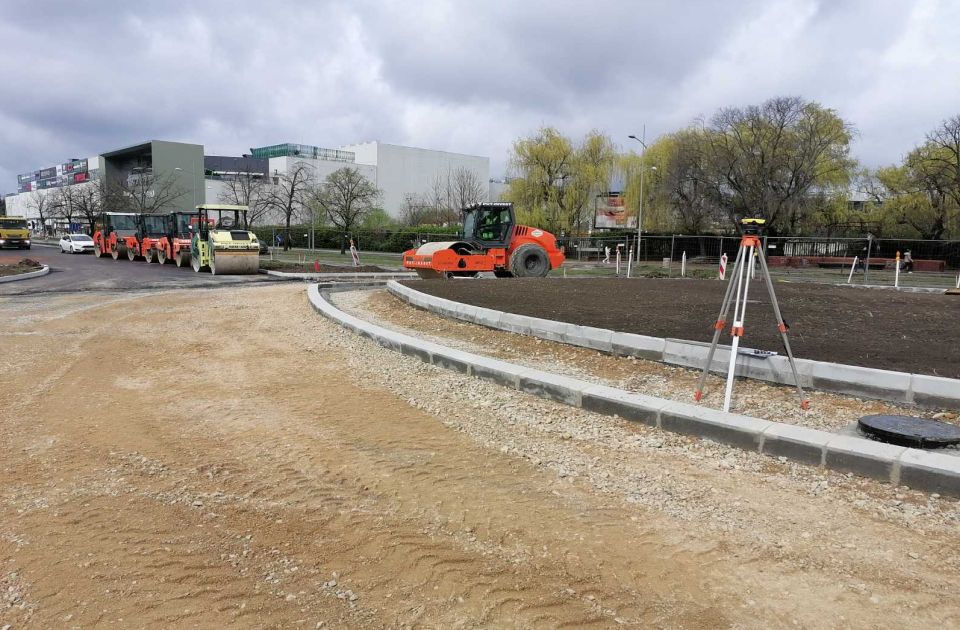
[(76, 244)]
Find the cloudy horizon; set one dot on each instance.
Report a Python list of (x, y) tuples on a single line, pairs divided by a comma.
[(456, 77)]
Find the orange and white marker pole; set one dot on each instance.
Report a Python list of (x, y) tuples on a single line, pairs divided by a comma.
[(723, 267), (896, 275), (354, 254)]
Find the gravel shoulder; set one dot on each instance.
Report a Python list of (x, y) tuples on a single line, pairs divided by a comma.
[(831, 412), (889, 330), (273, 470)]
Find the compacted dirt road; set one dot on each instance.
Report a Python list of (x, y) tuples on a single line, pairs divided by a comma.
[(228, 459)]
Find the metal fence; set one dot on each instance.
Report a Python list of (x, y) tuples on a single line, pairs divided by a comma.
[(866, 260), (819, 259)]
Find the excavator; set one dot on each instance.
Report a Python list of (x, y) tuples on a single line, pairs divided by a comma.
[(491, 241)]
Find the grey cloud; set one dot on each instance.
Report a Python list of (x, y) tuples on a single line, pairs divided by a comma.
[(459, 76)]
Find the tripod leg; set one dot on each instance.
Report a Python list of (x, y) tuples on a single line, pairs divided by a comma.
[(782, 327), (719, 325), (739, 314)]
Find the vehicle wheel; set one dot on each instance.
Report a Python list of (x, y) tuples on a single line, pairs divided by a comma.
[(195, 263), (182, 259), (162, 256), (148, 256), (115, 253), (131, 254), (96, 251), (62, 250), (529, 261), (213, 265)]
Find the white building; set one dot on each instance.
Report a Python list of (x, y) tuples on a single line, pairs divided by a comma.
[(408, 171), (399, 172)]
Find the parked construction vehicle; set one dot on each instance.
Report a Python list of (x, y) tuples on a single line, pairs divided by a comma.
[(115, 233), (175, 244), (14, 232), (491, 242), (220, 245), (152, 228)]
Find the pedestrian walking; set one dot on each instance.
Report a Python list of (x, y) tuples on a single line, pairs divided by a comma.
[(606, 251), (908, 261)]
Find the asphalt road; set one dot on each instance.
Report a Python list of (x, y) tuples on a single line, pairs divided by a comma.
[(84, 272)]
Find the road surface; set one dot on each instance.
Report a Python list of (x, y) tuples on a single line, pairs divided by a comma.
[(85, 272)]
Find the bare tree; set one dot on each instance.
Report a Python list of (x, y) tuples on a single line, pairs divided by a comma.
[(465, 189), (146, 192), (289, 195), (89, 203), (42, 204), (246, 189), (346, 197), (64, 204), (416, 210)]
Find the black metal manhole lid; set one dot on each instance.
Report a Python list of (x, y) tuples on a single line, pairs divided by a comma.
[(910, 431)]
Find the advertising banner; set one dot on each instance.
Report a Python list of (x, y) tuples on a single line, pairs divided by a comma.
[(612, 213)]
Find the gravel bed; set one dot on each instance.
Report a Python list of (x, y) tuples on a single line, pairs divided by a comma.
[(830, 412), (717, 486)]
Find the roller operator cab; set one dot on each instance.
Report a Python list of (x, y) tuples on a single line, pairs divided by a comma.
[(221, 244), (176, 243), (14, 232), (152, 228), (115, 234), (491, 242)]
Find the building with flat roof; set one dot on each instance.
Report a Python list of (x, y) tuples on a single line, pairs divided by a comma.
[(175, 175)]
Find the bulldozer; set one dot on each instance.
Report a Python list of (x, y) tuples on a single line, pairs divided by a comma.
[(221, 244), (115, 233), (491, 241)]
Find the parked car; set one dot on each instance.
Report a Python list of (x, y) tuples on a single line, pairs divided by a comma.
[(76, 244), (264, 248)]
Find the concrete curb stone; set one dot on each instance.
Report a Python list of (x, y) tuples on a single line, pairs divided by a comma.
[(834, 377), (922, 470), (44, 270)]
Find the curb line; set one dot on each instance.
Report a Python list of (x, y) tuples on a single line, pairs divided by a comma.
[(922, 470), (26, 276), (384, 276), (852, 380)]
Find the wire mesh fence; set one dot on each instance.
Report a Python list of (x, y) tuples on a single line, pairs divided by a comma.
[(863, 261)]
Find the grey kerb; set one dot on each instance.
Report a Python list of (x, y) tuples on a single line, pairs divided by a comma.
[(921, 470), (901, 387)]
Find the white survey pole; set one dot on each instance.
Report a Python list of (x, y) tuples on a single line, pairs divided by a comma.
[(629, 260), (739, 314), (683, 265), (896, 274), (618, 260), (852, 268)]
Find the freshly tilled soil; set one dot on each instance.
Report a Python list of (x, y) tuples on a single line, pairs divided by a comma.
[(905, 332)]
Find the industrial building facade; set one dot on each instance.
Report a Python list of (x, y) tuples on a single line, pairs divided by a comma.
[(401, 173)]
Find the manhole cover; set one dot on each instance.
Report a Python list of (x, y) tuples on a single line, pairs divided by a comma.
[(910, 431)]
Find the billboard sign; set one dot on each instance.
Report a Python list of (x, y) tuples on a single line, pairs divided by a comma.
[(611, 212)]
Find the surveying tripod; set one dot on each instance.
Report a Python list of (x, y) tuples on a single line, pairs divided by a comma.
[(744, 268)]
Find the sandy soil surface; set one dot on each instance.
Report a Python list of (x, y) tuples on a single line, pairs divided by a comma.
[(831, 412), (24, 265), (226, 458), (905, 332)]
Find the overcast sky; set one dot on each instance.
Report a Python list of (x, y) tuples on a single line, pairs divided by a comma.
[(466, 76)]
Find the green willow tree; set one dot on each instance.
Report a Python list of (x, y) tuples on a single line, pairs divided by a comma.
[(554, 179)]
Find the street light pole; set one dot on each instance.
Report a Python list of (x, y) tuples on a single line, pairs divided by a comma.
[(643, 153)]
